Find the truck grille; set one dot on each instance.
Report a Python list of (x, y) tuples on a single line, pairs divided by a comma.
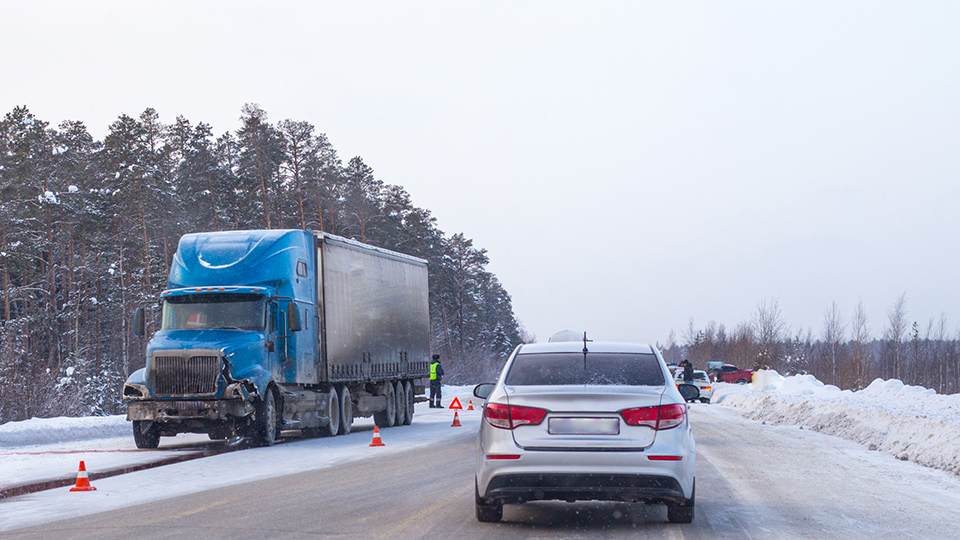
[(178, 376)]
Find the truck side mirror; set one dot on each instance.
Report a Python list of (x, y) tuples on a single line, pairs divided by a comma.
[(138, 323), (293, 317)]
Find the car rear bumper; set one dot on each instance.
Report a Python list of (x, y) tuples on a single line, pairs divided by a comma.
[(514, 488)]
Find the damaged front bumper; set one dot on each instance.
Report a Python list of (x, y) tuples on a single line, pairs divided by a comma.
[(179, 410)]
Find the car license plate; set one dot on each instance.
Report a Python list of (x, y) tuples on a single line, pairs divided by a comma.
[(584, 426)]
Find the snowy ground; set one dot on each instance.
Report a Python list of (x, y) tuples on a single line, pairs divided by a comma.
[(97, 441), (909, 422)]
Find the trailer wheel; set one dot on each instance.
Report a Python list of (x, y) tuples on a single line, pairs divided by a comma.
[(146, 433), (411, 400), (346, 411), (386, 417), (401, 403), (267, 424), (333, 409)]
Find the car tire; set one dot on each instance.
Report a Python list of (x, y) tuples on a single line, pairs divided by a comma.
[(683, 513), (742, 381), (487, 513), (146, 433), (704, 400)]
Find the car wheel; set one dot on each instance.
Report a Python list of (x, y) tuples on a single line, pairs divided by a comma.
[(683, 513), (742, 381), (487, 513), (704, 400), (146, 433)]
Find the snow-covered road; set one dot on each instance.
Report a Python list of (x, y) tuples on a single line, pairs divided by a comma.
[(290, 457), (763, 471)]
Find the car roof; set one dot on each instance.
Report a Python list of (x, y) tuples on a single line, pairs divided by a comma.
[(592, 346)]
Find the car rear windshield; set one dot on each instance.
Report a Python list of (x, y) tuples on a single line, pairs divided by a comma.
[(599, 368)]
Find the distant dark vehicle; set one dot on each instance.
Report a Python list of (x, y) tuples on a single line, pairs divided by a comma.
[(732, 374)]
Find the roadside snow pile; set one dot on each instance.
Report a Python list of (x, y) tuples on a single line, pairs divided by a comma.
[(910, 422), (63, 429)]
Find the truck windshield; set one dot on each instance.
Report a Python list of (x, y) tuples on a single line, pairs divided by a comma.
[(226, 310), (600, 368)]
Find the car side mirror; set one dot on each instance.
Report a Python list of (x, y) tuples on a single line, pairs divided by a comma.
[(483, 390), (689, 392), (138, 323), (293, 317)]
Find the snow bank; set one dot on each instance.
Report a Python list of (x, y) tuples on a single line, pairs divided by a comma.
[(62, 429), (909, 422)]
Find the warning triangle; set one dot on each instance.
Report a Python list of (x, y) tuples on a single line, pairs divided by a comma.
[(456, 404)]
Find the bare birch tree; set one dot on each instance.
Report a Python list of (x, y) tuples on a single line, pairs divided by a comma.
[(896, 329), (861, 349), (832, 341), (770, 330)]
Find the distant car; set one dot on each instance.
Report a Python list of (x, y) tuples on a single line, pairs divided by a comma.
[(578, 421), (732, 374), (701, 381)]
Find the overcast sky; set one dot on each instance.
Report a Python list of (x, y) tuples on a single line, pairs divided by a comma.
[(628, 165)]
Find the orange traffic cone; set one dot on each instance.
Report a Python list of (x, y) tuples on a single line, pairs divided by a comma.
[(83, 481), (376, 437), (470, 407), (456, 420)]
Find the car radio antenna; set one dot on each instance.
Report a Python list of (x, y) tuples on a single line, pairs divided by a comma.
[(585, 351)]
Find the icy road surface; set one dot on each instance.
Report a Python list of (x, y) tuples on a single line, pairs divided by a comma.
[(753, 481)]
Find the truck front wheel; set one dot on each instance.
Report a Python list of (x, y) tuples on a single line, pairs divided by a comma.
[(146, 433), (267, 424)]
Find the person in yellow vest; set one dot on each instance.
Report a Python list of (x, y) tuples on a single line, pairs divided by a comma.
[(436, 375)]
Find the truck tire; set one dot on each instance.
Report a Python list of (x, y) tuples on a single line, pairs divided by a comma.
[(487, 513), (683, 513), (386, 417), (146, 433), (267, 425), (401, 403), (333, 408), (346, 411), (408, 392)]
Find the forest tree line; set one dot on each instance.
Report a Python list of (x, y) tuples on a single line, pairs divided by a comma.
[(88, 229), (843, 352)]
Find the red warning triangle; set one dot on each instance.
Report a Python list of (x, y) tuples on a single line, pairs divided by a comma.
[(456, 404)]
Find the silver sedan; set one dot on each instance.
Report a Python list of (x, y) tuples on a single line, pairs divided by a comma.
[(585, 420)]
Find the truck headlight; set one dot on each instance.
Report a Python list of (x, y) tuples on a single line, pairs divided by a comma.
[(135, 391)]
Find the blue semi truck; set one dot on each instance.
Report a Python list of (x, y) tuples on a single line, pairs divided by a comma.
[(272, 330)]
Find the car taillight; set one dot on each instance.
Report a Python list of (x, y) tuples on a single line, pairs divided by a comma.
[(662, 417), (511, 416), (706, 389)]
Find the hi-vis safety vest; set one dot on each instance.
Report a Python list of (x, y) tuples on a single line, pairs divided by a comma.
[(433, 371)]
